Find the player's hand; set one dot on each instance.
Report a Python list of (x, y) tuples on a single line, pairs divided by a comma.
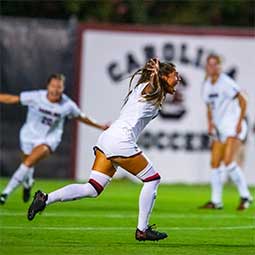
[(239, 127), (105, 126), (153, 66)]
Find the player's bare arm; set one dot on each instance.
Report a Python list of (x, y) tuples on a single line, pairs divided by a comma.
[(9, 99), (91, 122), (243, 105), (209, 120)]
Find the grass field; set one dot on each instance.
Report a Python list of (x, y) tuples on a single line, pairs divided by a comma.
[(106, 225)]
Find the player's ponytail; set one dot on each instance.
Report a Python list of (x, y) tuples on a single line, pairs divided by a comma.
[(152, 73)]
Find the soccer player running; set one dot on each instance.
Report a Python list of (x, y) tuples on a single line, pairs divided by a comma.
[(226, 109), (42, 131), (117, 147)]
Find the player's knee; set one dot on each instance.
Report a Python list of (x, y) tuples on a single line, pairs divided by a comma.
[(98, 181), (227, 161), (148, 174), (27, 162), (215, 163)]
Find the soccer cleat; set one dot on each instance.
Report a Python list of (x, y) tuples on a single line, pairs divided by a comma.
[(149, 234), (3, 198), (38, 204), (26, 194), (244, 203), (211, 205)]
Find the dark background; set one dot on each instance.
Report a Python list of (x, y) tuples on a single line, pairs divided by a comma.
[(237, 13)]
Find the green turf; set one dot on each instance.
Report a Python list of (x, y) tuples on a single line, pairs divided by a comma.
[(106, 225)]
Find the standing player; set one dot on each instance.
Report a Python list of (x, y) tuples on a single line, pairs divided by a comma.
[(117, 147), (42, 131), (226, 109)]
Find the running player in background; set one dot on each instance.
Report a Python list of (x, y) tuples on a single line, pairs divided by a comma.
[(117, 147), (226, 109), (42, 131)]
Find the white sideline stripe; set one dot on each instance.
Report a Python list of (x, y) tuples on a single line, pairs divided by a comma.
[(115, 215), (124, 228)]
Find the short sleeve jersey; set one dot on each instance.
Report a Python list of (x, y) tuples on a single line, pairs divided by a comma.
[(44, 117), (221, 97), (136, 113)]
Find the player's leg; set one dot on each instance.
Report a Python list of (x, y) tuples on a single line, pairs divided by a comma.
[(240, 157), (37, 154), (217, 153), (28, 181), (236, 174), (139, 166), (101, 174)]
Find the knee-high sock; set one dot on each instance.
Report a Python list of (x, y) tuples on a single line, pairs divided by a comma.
[(71, 192), (216, 186), (146, 203), (237, 176), (96, 184), (148, 194), (17, 178), (29, 180)]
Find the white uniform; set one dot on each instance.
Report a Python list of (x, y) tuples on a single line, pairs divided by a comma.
[(45, 120), (224, 106), (120, 138)]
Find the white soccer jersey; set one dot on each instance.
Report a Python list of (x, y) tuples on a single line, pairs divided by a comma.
[(120, 138), (45, 120), (136, 113), (221, 98)]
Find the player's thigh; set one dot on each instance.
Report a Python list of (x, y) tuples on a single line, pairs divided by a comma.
[(103, 165), (134, 164), (232, 146), (217, 153), (38, 153)]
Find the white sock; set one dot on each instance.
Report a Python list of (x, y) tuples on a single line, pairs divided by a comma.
[(96, 184), (71, 192), (148, 194), (237, 176), (146, 202), (224, 175), (29, 180), (17, 178), (216, 186)]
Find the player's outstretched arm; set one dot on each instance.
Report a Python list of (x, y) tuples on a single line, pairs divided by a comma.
[(243, 105), (242, 99), (9, 99), (91, 122)]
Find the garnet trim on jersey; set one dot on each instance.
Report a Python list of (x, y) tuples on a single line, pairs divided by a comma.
[(98, 187), (152, 178)]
